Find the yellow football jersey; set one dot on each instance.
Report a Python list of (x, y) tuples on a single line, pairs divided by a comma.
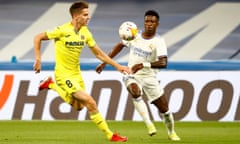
[(68, 46)]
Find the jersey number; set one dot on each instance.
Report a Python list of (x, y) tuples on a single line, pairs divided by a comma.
[(69, 84)]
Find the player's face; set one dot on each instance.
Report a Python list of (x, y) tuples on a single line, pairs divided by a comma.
[(150, 25), (83, 18)]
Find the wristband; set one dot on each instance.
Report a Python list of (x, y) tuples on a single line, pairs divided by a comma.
[(147, 64)]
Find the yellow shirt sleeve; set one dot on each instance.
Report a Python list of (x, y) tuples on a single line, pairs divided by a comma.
[(55, 33)]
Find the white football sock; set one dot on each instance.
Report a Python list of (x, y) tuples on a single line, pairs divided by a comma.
[(141, 108), (169, 121)]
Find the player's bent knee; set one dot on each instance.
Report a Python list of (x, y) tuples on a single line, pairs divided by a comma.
[(134, 90), (77, 105)]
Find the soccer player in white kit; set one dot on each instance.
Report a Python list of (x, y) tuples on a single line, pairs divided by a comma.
[(148, 53)]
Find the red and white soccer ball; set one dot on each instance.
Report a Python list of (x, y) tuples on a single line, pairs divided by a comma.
[(128, 30)]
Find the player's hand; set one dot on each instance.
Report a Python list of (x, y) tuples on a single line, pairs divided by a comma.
[(136, 67), (124, 70), (100, 67), (37, 66)]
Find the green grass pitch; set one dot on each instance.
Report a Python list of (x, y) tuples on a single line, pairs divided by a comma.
[(85, 132)]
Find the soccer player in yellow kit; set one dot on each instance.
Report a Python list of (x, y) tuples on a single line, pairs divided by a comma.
[(69, 39)]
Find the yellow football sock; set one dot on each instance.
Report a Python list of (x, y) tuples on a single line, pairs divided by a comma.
[(101, 124)]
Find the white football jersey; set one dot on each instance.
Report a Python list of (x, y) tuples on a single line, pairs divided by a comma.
[(146, 50)]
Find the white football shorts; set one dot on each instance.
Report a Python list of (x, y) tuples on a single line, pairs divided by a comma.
[(150, 86)]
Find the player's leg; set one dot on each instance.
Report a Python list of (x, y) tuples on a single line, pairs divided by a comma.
[(96, 117), (162, 105), (76, 104), (77, 88), (155, 95), (136, 92), (78, 98), (71, 91), (48, 83)]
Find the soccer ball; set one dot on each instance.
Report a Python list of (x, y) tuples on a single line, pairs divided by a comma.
[(128, 30)]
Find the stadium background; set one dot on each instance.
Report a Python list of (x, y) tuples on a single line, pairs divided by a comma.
[(218, 67)]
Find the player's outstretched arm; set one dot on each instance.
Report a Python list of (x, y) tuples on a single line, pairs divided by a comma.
[(106, 59), (37, 49), (116, 49)]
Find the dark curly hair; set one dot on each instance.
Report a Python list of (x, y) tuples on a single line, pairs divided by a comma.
[(152, 13)]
